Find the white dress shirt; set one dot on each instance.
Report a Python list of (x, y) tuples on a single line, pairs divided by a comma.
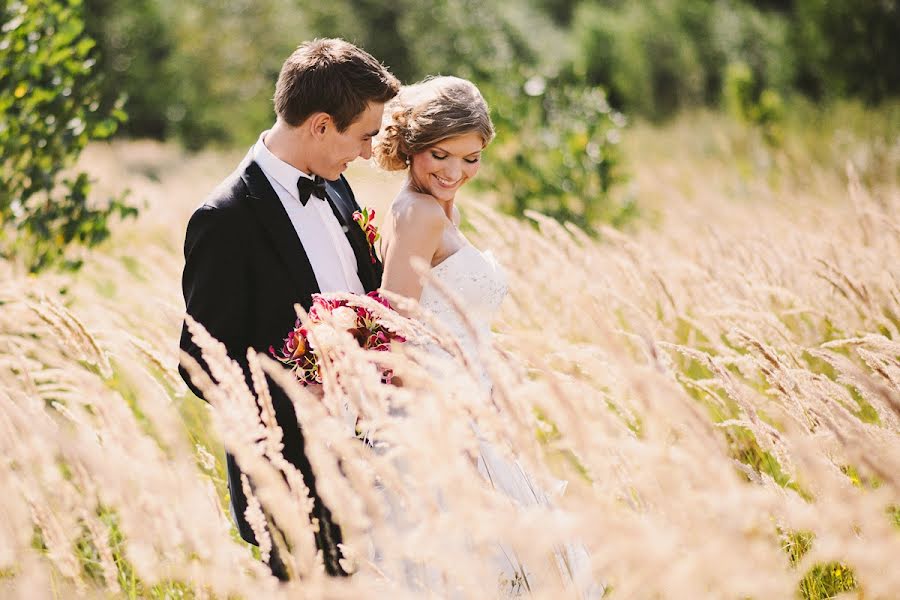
[(326, 245)]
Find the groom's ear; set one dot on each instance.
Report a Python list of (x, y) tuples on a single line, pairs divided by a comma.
[(318, 124)]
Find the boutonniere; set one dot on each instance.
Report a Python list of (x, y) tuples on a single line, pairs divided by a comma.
[(364, 219)]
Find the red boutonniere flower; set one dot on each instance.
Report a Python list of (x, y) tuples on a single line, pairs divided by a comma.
[(364, 220)]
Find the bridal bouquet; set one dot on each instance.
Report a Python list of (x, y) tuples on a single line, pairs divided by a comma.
[(299, 352)]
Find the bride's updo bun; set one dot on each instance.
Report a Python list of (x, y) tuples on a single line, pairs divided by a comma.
[(428, 113)]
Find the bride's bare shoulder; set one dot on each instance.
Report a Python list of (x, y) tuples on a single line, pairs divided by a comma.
[(412, 209)]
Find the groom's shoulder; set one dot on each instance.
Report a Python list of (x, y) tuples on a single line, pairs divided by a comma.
[(222, 214), (229, 196)]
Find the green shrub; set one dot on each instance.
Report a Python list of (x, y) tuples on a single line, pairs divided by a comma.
[(746, 102), (738, 90), (740, 33), (557, 152), (50, 106)]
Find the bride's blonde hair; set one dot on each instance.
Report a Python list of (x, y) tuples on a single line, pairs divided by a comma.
[(429, 112)]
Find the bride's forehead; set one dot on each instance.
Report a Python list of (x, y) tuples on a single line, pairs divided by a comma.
[(461, 145)]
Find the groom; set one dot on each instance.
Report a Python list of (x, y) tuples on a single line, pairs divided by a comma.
[(280, 229)]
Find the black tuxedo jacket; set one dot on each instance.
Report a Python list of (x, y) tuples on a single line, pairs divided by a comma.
[(245, 268)]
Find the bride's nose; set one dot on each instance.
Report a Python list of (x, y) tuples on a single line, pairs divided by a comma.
[(453, 171)]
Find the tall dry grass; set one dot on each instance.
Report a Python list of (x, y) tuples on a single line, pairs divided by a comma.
[(720, 387)]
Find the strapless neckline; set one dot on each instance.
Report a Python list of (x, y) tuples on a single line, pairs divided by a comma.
[(475, 278), (462, 249)]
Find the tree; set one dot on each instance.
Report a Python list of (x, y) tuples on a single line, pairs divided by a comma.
[(134, 48), (50, 105), (848, 48)]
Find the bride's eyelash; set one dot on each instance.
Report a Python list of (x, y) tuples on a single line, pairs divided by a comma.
[(471, 161)]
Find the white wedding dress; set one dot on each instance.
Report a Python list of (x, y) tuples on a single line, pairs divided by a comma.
[(478, 284)]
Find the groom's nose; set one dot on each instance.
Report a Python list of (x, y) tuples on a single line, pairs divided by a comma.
[(366, 152)]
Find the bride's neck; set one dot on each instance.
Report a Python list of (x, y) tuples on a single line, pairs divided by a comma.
[(446, 205)]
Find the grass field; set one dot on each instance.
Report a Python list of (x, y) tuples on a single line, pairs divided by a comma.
[(719, 383)]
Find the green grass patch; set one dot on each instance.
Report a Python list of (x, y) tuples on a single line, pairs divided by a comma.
[(826, 581), (822, 580)]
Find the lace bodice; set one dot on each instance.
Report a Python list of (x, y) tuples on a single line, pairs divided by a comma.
[(476, 281)]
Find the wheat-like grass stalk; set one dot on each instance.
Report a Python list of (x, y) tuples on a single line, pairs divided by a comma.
[(714, 386)]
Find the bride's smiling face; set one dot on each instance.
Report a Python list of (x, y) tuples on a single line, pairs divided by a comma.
[(443, 168)]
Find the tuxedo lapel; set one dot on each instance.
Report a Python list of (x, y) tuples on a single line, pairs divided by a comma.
[(343, 211), (275, 220)]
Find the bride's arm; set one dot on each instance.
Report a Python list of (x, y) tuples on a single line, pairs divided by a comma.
[(417, 225)]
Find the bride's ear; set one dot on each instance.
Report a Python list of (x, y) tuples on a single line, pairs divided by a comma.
[(318, 124)]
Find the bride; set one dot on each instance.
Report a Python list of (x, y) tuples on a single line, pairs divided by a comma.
[(436, 131)]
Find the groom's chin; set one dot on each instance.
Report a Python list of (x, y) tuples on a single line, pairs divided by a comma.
[(334, 173)]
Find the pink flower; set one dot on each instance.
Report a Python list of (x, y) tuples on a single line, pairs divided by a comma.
[(370, 333), (374, 295)]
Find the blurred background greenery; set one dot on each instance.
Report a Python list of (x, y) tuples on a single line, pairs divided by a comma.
[(560, 75), (203, 70)]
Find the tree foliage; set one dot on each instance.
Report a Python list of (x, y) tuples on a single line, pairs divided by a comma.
[(198, 71), (847, 48), (661, 56), (557, 152), (135, 49), (203, 71), (51, 108)]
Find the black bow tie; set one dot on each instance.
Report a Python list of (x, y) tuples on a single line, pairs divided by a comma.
[(310, 187)]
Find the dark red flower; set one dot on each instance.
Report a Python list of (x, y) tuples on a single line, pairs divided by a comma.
[(374, 295), (369, 332)]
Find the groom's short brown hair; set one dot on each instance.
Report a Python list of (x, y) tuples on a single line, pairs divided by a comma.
[(331, 76)]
